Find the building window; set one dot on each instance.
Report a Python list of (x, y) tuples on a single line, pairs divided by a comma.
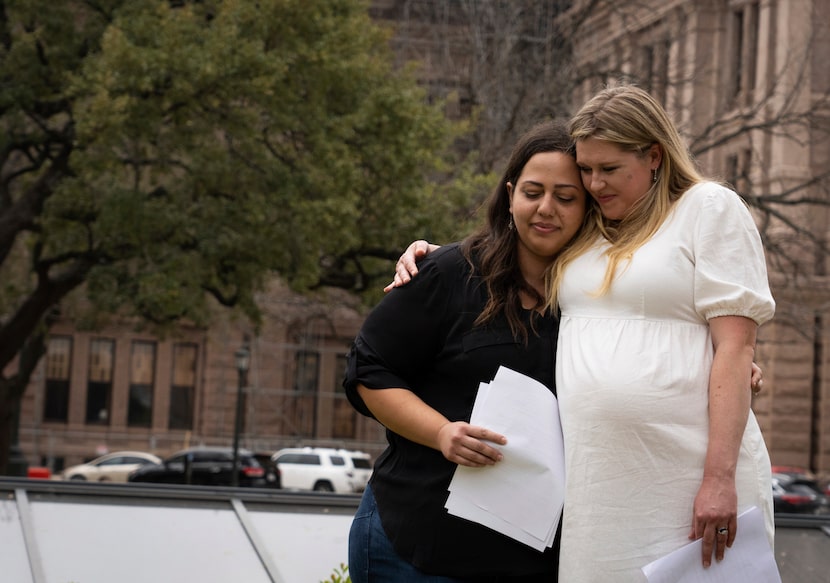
[(344, 415), (303, 410), (99, 383), (142, 371), (183, 389), (58, 359), (307, 375), (743, 52), (654, 68)]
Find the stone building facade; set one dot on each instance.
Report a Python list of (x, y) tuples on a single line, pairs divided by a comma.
[(719, 66), (118, 389)]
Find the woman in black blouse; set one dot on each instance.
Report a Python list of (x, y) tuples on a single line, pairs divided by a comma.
[(422, 352)]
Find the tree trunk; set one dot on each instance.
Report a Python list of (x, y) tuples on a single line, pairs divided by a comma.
[(11, 394)]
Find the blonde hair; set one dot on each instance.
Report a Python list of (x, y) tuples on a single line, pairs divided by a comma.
[(634, 121)]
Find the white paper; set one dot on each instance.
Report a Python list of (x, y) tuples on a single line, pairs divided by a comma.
[(460, 506), (749, 559), (522, 495)]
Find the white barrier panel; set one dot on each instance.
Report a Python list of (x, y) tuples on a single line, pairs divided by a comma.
[(93, 533)]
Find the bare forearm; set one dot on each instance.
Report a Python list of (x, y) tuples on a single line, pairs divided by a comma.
[(402, 411), (733, 340), (729, 402)]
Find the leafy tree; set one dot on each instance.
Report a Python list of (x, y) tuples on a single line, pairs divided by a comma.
[(163, 157)]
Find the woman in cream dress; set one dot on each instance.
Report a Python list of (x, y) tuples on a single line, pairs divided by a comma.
[(660, 301)]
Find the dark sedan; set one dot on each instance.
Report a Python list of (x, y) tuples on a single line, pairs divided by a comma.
[(794, 495), (203, 466)]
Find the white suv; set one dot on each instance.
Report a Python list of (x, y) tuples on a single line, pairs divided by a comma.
[(323, 469)]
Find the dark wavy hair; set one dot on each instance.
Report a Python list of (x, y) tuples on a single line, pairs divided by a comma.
[(492, 250)]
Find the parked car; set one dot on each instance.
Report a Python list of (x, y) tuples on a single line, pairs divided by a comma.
[(272, 472), (323, 469), (204, 466), (792, 471), (112, 467), (797, 495)]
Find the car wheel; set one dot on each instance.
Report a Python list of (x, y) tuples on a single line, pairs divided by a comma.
[(78, 477), (323, 487)]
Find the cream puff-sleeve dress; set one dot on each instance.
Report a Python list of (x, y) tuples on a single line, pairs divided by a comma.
[(632, 378)]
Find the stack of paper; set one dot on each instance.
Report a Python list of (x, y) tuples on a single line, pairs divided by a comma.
[(522, 495)]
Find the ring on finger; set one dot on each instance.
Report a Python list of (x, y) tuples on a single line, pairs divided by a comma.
[(723, 531)]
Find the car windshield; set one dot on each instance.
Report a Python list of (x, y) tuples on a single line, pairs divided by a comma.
[(299, 458)]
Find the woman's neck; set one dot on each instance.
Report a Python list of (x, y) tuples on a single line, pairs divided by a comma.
[(536, 280)]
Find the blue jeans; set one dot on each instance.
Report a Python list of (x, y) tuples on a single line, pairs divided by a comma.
[(372, 559)]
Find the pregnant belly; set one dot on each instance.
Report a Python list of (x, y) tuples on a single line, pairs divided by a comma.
[(615, 371)]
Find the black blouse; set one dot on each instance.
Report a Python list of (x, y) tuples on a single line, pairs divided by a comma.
[(421, 337)]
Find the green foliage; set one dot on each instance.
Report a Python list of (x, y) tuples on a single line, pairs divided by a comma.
[(168, 152), (339, 575), (160, 157)]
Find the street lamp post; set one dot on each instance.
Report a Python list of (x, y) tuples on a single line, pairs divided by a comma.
[(243, 358)]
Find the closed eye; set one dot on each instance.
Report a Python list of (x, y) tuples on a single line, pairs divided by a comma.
[(607, 169)]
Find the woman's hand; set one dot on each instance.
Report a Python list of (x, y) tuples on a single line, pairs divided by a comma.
[(757, 380), (715, 517), (406, 268), (466, 445), (402, 411)]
